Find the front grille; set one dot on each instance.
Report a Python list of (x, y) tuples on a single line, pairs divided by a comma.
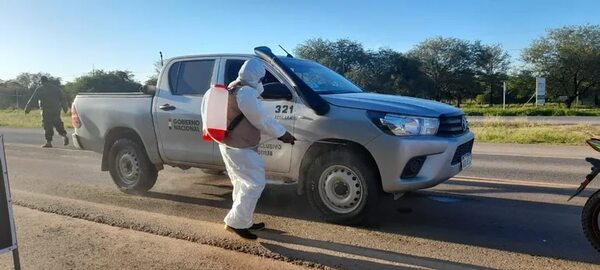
[(461, 150), (452, 125)]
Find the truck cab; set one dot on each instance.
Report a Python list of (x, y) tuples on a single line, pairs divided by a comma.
[(177, 111)]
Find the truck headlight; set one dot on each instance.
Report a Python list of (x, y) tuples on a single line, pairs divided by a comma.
[(410, 125)]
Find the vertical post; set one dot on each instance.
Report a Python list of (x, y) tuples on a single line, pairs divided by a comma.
[(540, 91), (16, 260), (504, 95), (17, 93)]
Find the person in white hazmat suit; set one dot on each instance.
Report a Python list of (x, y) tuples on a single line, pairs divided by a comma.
[(246, 120)]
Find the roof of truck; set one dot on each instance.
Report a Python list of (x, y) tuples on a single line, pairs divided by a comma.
[(214, 55), (218, 55)]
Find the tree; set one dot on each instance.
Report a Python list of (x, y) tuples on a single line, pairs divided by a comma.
[(491, 66), (521, 85), (384, 71), (8, 90), (16, 92), (32, 80), (103, 81), (342, 55), (569, 58), (449, 65), (388, 71), (153, 80)]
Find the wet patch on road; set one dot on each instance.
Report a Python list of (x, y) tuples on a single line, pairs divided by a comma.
[(446, 199)]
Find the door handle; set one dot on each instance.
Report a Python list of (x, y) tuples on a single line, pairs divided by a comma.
[(167, 107)]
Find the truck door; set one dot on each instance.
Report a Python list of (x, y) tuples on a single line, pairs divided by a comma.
[(276, 154), (178, 120)]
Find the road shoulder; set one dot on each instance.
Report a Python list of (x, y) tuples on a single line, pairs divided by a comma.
[(51, 241)]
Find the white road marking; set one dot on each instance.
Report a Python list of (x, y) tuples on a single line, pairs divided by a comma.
[(475, 152), (501, 181)]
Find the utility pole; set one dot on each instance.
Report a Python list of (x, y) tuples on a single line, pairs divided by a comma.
[(504, 95)]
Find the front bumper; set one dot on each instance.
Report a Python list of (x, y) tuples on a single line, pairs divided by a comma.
[(392, 153)]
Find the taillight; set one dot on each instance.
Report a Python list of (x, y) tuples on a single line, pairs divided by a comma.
[(75, 122)]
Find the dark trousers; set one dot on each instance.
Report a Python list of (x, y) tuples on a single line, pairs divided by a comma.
[(50, 121)]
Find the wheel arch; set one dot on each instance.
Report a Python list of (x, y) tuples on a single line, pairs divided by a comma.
[(115, 134), (325, 145)]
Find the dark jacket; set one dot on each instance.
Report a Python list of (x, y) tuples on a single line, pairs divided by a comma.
[(50, 98)]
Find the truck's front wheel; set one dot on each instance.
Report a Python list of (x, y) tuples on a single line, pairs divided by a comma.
[(130, 167), (343, 186)]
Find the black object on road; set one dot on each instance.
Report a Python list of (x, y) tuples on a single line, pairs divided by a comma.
[(8, 238), (590, 216)]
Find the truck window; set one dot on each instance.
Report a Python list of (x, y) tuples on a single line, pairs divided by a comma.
[(192, 77), (232, 68), (173, 73)]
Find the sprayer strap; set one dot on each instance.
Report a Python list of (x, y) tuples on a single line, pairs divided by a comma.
[(235, 122)]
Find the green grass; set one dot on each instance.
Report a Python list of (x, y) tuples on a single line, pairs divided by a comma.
[(523, 132), (18, 118), (530, 110)]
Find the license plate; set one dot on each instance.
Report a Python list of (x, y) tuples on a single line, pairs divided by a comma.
[(465, 161)]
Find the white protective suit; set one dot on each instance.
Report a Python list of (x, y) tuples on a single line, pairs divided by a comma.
[(245, 167)]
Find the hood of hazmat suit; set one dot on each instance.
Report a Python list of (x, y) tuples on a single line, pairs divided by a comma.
[(251, 74)]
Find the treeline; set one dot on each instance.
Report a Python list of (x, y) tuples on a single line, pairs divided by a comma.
[(454, 70), (442, 68), (16, 92), (446, 69)]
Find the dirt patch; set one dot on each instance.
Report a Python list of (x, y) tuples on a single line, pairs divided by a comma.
[(195, 231)]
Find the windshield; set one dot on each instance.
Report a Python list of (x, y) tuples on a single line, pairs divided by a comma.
[(321, 79)]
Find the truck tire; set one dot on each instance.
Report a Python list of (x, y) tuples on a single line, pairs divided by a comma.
[(343, 187), (130, 167)]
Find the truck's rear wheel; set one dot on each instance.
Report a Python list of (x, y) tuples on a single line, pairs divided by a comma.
[(130, 167), (343, 187)]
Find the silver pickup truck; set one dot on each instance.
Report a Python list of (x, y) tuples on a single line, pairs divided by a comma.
[(352, 146)]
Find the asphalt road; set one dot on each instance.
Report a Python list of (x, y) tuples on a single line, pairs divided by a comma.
[(508, 211)]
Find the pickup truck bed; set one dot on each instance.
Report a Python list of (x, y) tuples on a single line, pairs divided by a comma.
[(106, 112)]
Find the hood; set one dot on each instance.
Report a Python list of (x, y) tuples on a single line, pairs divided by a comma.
[(392, 104)]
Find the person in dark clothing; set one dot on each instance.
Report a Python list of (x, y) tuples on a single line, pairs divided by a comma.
[(51, 100)]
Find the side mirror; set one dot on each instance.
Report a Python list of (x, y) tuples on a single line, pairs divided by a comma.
[(148, 89), (276, 91)]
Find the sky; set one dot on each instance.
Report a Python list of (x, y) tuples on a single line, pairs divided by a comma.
[(69, 38)]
